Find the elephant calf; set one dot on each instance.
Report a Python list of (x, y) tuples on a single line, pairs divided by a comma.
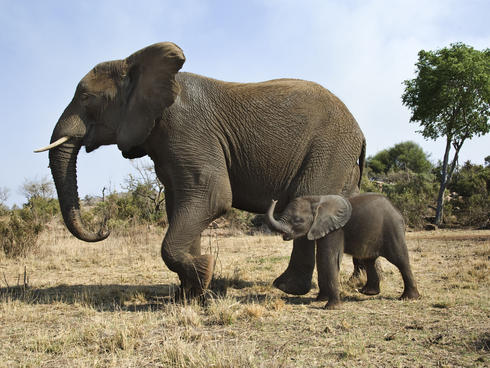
[(366, 226)]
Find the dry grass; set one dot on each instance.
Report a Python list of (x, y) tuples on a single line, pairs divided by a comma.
[(109, 305)]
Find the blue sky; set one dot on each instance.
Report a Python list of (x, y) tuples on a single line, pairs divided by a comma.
[(360, 50)]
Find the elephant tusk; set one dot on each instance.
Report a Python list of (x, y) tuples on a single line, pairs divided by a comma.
[(53, 145)]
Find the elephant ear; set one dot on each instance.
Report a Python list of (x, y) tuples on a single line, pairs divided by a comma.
[(149, 87), (331, 213)]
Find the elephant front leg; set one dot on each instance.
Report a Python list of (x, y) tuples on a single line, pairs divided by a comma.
[(328, 259), (296, 279), (181, 249)]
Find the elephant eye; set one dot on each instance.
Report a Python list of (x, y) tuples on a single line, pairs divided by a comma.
[(87, 97)]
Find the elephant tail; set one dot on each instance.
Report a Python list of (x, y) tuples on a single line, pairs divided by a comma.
[(362, 161)]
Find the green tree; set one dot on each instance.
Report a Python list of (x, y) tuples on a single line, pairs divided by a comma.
[(402, 156), (450, 98)]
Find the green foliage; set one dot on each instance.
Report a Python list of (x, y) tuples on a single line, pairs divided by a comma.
[(368, 185), (3, 210), (470, 201), (450, 97), (43, 209), (471, 179), (240, 220), (147, 196), (412, 194), (403, 174), (122, 208), (402, 156), (19, 235)]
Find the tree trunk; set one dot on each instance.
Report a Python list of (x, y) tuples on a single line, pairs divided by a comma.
[(442, 188)]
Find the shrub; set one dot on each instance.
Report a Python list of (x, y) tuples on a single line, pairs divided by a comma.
[(124, 209), (42, 209), (412, 194), (239, 220), (470, 200), (19, 235)]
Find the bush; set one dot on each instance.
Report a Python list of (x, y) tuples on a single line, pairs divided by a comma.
[(412, 194), (20, 233), (42, 209), (4, 211), (123, 209), (239, 220), (470, 200)]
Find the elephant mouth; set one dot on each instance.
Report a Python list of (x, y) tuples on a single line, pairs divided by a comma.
[(287, 237)]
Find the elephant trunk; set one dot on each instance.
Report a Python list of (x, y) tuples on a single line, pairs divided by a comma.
[(63, 164), (275, 225)]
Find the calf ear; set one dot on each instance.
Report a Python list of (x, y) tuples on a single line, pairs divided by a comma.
[(332, 212)]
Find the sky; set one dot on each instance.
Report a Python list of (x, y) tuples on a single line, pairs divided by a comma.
[(362, 51)]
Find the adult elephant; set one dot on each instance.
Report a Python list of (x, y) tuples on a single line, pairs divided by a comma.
[(215, 145)]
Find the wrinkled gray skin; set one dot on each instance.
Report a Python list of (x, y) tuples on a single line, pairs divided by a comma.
[(214, 145), (366, 226)]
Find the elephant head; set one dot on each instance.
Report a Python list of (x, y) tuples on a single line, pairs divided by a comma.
[(313, 216), (117, 102)]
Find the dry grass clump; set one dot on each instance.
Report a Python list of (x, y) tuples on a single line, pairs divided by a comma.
[(111, 305)]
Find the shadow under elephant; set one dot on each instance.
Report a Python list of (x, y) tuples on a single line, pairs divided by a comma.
[(101, 297)]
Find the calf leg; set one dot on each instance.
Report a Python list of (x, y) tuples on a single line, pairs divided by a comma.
[(398, 255), (328, 258), (372, 283)]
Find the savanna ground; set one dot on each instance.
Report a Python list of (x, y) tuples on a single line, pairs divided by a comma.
[(77, 304)]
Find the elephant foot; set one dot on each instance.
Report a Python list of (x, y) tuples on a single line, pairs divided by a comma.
[(321, 298), (410, 294), (294, 284), (204, 266), (197, 277), (369, 290), (333, 304), (185, 294)]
